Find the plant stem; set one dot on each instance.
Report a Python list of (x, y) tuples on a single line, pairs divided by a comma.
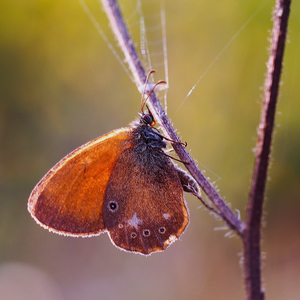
[(263, 148), (249, 231)]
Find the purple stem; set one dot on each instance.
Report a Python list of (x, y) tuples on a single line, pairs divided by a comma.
[(263, 148)]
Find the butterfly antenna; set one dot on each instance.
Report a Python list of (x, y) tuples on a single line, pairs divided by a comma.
[(143, 102), (144, 91)]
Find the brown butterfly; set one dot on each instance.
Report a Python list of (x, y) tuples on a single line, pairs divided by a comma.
[(122, 183)]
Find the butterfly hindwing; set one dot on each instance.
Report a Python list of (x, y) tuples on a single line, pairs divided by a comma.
[(144, 208)]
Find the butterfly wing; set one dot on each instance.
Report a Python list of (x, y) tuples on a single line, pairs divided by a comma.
[(69, 198), (144, 209)]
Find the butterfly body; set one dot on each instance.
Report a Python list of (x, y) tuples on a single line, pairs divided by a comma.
[(122, 183)]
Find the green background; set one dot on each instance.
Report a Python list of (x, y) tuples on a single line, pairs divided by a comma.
[(61, 86)]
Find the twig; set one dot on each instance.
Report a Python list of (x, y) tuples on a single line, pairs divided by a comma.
[(250, 232), (119, 28), (265, 130)]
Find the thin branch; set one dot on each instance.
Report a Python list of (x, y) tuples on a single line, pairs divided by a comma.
[(119, 28), (250, 232), (263, 147)]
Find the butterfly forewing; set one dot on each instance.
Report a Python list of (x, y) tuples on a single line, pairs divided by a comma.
[(69, 198)]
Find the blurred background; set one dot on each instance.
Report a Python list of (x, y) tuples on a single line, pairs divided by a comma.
[(61, 86)]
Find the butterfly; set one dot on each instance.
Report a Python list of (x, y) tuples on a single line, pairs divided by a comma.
[(122, 183)]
